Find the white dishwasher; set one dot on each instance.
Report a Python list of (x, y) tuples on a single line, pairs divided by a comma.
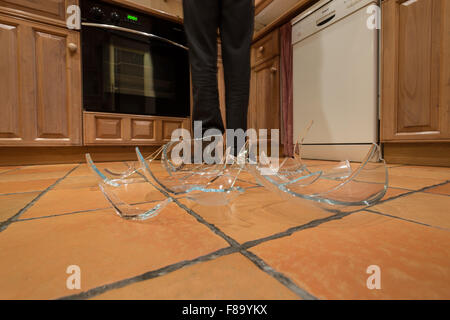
[(335, 79)]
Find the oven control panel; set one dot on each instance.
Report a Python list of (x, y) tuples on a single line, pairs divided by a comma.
[(109, 14), (99, 12)]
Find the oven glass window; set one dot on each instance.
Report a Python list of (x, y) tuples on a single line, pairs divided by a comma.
[(128, 73)]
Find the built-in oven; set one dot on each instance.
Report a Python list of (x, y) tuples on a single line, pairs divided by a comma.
[(133, 63)]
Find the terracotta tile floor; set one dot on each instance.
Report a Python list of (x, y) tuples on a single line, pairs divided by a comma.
[(258, 247)]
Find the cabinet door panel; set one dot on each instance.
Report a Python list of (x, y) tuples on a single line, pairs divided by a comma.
[(55, 79), (168, 126), (415, 76), (265, 96), (108, 128), (418, 67), (52, 109), (142, 129), (104, 129), (10, 107)]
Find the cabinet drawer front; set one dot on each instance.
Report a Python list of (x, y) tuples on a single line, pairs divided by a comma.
[(143, 129), (108, 128), (104, 129), (126, 129), (266, 48), (168, 126)]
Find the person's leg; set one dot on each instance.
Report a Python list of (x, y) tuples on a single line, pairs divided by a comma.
[(201, 21), (236, 30)]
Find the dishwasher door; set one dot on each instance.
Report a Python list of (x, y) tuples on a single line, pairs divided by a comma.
[(336, 85)]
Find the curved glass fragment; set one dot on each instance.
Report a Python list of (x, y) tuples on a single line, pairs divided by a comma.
[(157, 183), (111, 176), (132, 198), (330, 183), (205, 184)]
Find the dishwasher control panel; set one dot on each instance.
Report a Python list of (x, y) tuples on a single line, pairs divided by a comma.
[(324, 14)]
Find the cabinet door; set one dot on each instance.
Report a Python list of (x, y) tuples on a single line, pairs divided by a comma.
[(415, 81), (55, 79), (11, 106), (42, 89), (264, 110)]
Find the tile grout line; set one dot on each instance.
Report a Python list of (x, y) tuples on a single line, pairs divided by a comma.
[(292, 230), (276, 275), (150, 274), (19, 193), (199, 218), (407, 220), (255, 259), (337, 216), (219, 253), (235, 247), (59, 215), (79, 211), (11, 170), (261, 264), (145, 202), (410, 193), (6, 223)]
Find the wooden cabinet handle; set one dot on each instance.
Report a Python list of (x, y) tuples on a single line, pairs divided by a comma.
[(72, 47), (261, 49), (273, 69)]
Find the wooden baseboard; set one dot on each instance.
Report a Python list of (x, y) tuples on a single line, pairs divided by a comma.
[(14, 156), (426, 154)]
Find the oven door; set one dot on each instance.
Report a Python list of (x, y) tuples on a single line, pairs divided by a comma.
[(128, 71)]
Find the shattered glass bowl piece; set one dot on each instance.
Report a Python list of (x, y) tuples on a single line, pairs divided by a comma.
[(331, 184), (213, 182), (157, 183)]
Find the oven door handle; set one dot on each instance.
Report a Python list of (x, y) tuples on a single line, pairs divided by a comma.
[(141, 33)]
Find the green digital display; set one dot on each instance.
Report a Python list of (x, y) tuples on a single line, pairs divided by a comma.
[(132, 18)]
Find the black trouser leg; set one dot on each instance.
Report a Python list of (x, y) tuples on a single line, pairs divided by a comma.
[(235, 18), (236, 30), (201, 21)]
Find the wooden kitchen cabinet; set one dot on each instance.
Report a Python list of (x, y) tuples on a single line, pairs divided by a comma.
[(40, 88), (264, 107), (415, 71)]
